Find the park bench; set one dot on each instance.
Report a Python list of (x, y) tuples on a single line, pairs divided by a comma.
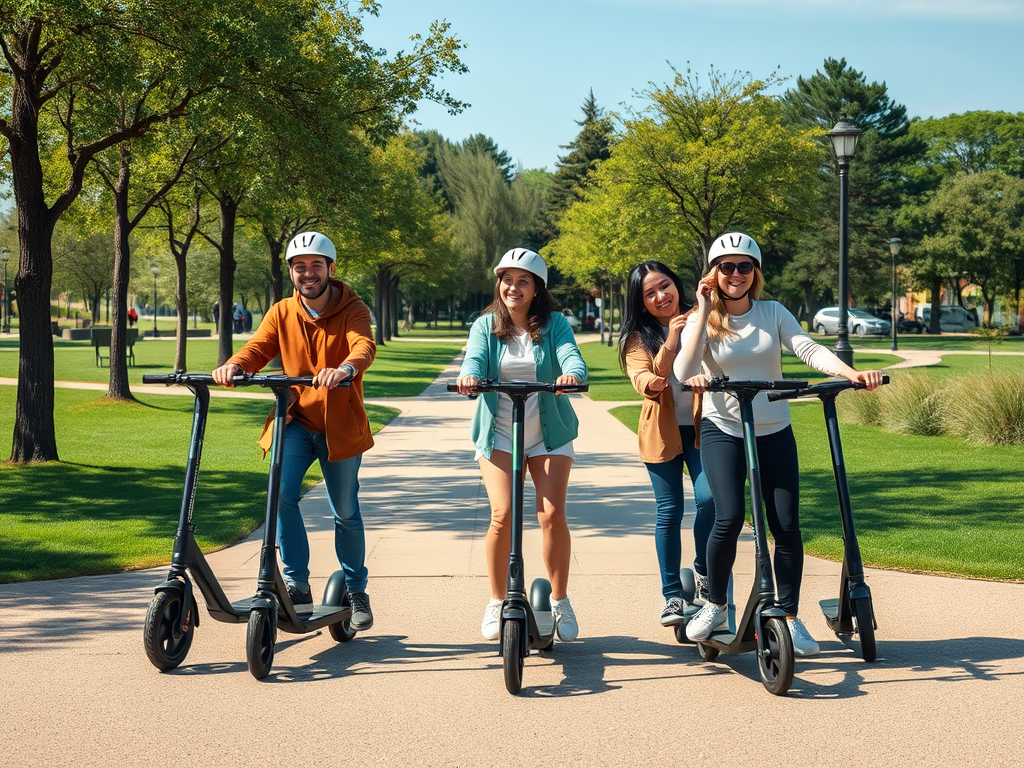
[(101, 339)]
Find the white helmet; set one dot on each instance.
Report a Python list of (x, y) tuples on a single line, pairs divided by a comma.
[(734, 243), (311, 244), (524, 258)]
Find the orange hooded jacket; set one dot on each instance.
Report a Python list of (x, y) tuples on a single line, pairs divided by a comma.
[(341, 334)]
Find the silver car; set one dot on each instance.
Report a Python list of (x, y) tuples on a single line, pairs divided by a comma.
[(859, 321)]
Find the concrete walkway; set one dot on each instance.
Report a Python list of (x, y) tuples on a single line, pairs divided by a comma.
[(422, 687)]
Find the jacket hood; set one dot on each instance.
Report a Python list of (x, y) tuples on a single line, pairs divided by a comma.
[(342, 299)]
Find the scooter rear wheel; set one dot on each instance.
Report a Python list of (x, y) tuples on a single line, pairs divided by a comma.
[(342, 631), (776, 661), (166, 644), (707, 652), (863, 615), (512, 655), (259, 643)]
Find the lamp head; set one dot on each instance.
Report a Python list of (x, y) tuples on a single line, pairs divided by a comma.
[(844, 141), (154, 269), (894, 246)]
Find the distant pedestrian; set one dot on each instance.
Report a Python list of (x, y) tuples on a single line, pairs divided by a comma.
[(133, 317), (238, 317), (216, 315), (248, 321)]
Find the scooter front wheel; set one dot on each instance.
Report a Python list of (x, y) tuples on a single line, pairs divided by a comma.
[(865, 619), (167, 644), (512, 655), (259, 643), (342, 631), (775, 658)]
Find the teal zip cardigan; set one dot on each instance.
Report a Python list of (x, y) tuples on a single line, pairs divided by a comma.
[(556, 354)]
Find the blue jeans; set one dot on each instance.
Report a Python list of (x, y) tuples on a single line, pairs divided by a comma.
[(301, 449), (667, 480)]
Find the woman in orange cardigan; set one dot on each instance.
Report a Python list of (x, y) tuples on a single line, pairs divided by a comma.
[(651, 330)]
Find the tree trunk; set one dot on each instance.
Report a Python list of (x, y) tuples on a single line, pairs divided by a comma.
[(936, 288), (812, 309), (180, 341), (119, 388), (379, 292), (393, 303), (34, 435), (228, 216), (276, 272)]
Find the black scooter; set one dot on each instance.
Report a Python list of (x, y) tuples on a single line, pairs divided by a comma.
[(763, 626), (852, 613), (525, 624), (172, 616)]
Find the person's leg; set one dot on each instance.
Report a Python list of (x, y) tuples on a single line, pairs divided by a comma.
[(667, 482), (299, 453), (725, 466), (342, 481), (704, 520), (550, 475), (497, 476), (780, 487)]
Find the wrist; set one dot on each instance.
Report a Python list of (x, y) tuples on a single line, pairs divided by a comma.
[(349, 369)]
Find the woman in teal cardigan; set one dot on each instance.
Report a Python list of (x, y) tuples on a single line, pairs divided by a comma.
[(522, 337)]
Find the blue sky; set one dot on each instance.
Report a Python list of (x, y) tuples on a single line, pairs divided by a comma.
[(532, 62)]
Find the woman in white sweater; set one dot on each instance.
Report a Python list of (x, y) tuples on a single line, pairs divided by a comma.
[(732, 334)]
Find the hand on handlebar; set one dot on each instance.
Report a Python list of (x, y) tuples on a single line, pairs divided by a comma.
[(467, 385), (226, 373), (697, 384), (869, 379), (566, 380), (329, 378)]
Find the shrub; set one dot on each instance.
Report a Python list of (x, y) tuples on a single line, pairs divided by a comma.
[(859, 407), (913, 404), (987, 410)]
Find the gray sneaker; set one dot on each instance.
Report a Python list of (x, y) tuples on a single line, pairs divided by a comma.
[(362, 616), (301, 599), (673, 613)]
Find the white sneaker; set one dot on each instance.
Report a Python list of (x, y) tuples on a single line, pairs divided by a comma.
[(803, 643), (566, 626), (490, 627), (707, 619)]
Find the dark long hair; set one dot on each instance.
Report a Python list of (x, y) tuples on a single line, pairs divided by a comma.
[(541, 307), (636, 320)]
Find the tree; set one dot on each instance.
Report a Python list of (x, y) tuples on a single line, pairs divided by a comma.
[(61, 60), (978, 218), (575, 169), (878, 185), (969, 143)]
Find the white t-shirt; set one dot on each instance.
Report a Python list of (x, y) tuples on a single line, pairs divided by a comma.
[(518, 364), (755, 354)]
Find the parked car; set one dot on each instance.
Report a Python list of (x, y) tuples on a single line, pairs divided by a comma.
[(858, 321), (904, 324), (574, 322), (951, 319)]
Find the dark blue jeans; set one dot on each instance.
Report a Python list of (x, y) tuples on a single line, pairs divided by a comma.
[(667, 481), (726, 471)]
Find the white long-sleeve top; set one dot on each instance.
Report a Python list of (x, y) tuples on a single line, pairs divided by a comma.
[(754, 354)]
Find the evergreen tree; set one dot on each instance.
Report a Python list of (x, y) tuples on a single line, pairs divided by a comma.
[(586, 152), (878, 182), (485, 145)]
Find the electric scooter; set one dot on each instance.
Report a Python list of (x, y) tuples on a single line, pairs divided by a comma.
[(525, 624), (853, 612), (763, 627), (172, 617)]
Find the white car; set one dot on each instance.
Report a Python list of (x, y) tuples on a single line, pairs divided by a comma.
[(574, 322), (858, 321)]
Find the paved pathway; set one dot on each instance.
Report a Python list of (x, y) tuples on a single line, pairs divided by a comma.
[(422, 688)]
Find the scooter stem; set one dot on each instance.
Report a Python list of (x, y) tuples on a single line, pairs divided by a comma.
[(766, 587), (516, 577), (268, 552), (853, 565)]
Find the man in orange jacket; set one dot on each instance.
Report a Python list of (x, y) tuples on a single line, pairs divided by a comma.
[(323, 331)]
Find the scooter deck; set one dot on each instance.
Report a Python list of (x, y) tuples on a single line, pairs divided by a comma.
[(545, 622), (830, 607)]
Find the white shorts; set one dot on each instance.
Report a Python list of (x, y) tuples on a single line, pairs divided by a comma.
[(502, 443)]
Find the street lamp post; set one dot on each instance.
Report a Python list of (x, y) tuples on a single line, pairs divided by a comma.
[(156, 271), (894, 248), (5, 326), (844, 143)]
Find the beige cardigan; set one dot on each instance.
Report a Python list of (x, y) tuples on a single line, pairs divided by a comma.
[(658, 432)]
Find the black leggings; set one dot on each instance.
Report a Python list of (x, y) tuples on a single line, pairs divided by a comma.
[(726, 468)]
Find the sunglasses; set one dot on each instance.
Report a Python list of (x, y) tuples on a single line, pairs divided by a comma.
[(728, 267)]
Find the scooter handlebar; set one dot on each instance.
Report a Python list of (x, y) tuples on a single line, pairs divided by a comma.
[(522, 387), (723, 384), (823, 389), (243, 380)]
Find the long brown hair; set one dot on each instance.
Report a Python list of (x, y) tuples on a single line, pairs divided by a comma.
[(541, 307), (718, 318)]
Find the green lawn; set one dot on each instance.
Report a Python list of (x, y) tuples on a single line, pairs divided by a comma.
[(921, 503), (112, 502), (401, 369)]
